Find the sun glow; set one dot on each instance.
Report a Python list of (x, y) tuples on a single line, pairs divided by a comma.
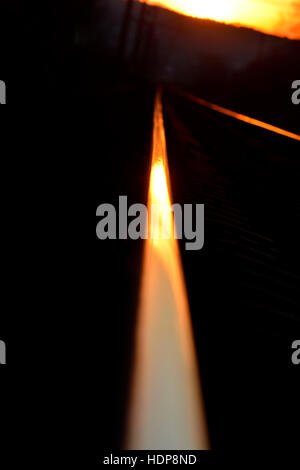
[(270, 16), (218, 9)]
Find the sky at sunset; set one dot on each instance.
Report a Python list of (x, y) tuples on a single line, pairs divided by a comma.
[(279, 17)]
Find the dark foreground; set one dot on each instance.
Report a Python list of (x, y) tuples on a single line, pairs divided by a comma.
[(77, 333)]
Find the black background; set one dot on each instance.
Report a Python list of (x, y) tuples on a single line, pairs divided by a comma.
[(71, 304), (69, 300)]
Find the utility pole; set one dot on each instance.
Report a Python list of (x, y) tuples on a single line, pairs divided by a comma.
[(125, 30), (150, 37), (139, 32)]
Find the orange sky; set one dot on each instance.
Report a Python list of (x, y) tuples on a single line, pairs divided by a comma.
[(279, 17)]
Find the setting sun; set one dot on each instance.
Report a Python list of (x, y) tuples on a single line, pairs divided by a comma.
[(281, 18), (218, 9)]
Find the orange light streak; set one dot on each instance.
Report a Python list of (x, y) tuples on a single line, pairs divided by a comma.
[(240, 117), (166, 407)]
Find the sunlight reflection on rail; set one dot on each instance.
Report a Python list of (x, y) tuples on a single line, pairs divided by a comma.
[(166, 407), (240, 117)]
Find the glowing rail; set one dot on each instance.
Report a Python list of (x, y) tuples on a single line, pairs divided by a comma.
[(240, 117), (166, 407)]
